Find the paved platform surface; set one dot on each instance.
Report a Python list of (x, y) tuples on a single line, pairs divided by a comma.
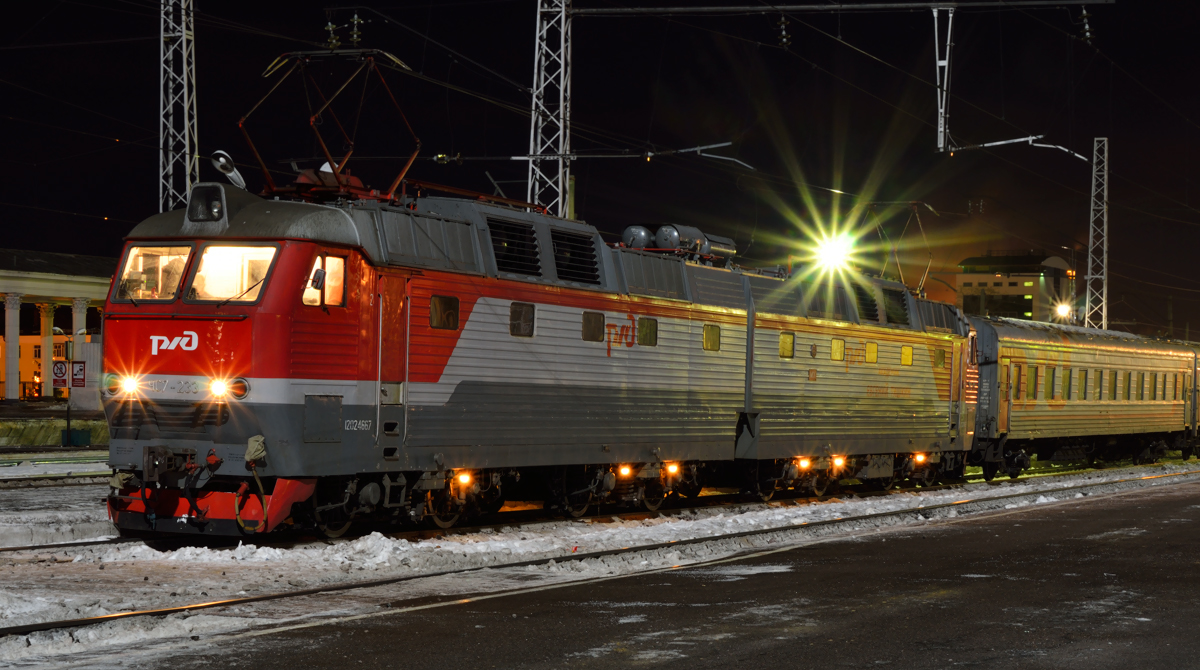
[(1101, 583)]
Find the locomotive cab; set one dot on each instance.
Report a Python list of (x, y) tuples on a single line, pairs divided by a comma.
[(237, 322)]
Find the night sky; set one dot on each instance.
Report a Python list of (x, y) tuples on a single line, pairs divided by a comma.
[(855, 114)]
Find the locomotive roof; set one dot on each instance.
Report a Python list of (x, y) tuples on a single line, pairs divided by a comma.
[(1058, 333)]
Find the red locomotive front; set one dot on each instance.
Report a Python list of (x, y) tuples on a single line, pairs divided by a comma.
[(228, 344)]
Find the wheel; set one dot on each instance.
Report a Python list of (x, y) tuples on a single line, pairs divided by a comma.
[(689, 489), (1185, 453), (333, 530), (577, 508), (442, 510), (653, 497), (885, 483), (820, 484), (930, 478), (443, 521), (1013, 473), (990, 468)]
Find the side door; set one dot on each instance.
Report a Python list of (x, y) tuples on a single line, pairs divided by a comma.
[(392, 318), (1005, 392)]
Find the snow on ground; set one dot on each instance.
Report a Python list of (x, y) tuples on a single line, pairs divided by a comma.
[(48, 515), (100, 580)]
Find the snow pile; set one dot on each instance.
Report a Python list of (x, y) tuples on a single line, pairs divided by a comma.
[(21, 471), (52, 515)]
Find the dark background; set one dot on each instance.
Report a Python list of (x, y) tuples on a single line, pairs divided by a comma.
[(819, 115)]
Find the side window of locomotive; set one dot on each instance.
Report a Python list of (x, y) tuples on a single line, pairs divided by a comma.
[(443, 312), (787, 345), (520, 319), (712, 337), (333, 293), (231, 273), (872, 352), (837, 350), (152, 273), (647, 332), (906, 355), (593, 327)]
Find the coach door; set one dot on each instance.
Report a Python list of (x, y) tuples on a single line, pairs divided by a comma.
[(392, 318), (1005, 391)]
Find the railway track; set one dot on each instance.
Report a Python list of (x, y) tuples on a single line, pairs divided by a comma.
[(527, 518), (922, 512)]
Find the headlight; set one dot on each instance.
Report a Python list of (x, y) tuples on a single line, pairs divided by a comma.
[(218, 387), (129, 384), (238, 388)]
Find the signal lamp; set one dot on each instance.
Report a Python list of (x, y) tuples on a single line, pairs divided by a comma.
[(625, 470), (838, 461), (805, 463), (920, 458)]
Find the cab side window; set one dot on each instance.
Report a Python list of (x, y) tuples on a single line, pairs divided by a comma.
[(329, 273)]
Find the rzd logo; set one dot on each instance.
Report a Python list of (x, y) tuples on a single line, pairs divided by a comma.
[(188, 342)]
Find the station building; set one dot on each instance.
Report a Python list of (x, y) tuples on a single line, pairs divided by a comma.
[(1025, 284), (42, 286)]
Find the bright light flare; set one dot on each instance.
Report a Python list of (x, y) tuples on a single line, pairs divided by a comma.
[(129, 384), (625, 470), (833, 252), (464, 478), (218, 387), (672, 468), (1063, 310), (920, 458), (805, 464), (838, 461)]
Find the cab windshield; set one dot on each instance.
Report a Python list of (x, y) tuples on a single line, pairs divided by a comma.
[(231, 273), (152, 273)]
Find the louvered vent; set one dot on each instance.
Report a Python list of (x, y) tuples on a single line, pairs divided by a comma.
[(516, 248), (896, 306), (575, 257), (868, 309)]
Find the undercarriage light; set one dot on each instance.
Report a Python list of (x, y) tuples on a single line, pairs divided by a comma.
[(920, 458), (838, 461), (129, 384), (625, 470), (805, 463), (464, 478), (672, 468)]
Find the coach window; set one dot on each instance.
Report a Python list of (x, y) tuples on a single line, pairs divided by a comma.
[(1051, 378), (1099, 394), (1154, 386), (939, 358), (872, 352), (787, 345), (906, 355), (593, 327), (1083, 385), (1032, 392), (712, 337), (1113, 376), (1018, 383), (647, 332), (443, 312), (332, 292), (837, 350), (520, 319), (1068, 377), (1129, 385), (1141, 386)]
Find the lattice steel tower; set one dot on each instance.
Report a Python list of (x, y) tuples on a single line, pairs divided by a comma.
[(1095, 313), (178, 147), (550, 122)]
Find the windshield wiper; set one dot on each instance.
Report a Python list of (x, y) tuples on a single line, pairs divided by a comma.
[(252, 287)]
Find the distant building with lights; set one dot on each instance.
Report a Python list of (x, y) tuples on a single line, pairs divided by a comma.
[(1025, 284)]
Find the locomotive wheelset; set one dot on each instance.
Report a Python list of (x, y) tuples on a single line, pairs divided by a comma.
[(272, 364)]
